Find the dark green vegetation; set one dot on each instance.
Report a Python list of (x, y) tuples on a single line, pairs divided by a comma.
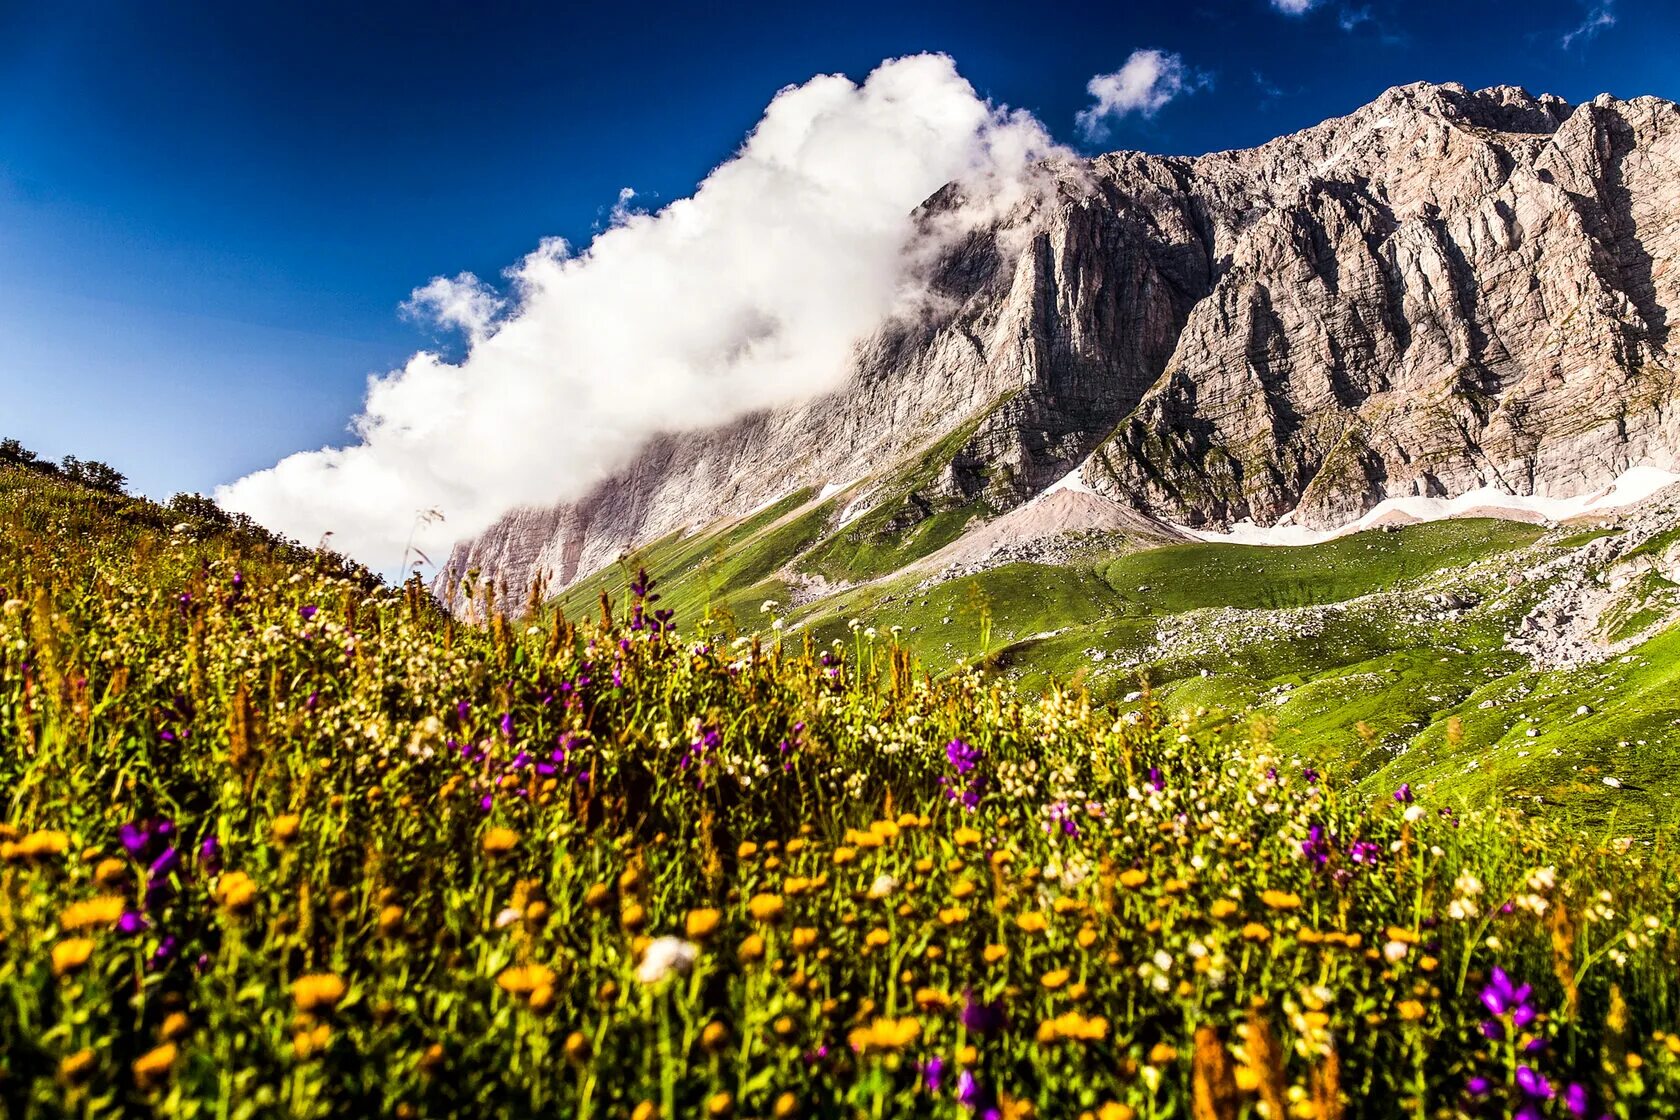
[(1345, 645), (275, 842)]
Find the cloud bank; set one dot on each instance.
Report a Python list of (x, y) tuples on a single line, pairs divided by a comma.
[(750, 293), (1148, 80)]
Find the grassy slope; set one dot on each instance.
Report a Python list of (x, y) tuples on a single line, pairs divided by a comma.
[(1360, 688)]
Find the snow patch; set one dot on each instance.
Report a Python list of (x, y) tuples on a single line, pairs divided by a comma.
[(1629, 488), (832, 488), (1071, 481)]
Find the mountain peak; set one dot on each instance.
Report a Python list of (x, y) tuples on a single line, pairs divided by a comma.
[(1443, 292)]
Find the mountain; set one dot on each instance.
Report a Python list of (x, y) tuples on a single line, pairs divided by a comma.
[(1444, 292)]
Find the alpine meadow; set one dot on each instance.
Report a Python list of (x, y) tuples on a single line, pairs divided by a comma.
[(903, 613)]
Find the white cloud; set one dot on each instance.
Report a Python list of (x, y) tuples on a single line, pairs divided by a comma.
[(1599, 16), (1295, 7), (749, 294), (1148, 80)]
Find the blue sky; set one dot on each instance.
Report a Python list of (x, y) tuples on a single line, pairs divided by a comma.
[(210, 215)]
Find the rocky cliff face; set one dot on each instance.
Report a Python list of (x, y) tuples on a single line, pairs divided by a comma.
[(1442, 291)]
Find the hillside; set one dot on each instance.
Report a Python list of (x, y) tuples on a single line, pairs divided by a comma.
[(1460, 647), (277, 843)]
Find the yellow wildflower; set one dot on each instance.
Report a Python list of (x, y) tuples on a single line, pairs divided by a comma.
[(284, 829), (70, 956), (499, 841), (1073, 1027), (1132, 878), (1033, 921), (1280, 900), (317, 992), (803, 938), (101, 911), (765, 907), (885, 1035), (236, 892), (154, 1065), (702, 923), (75, 1067), (966, 837), (1222, 908), (1055, 978), (994, 953)]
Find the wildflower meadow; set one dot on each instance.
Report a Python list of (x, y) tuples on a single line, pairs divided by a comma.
[(276, 840)]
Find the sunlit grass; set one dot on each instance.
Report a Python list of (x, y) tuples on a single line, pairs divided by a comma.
[(280, 843)]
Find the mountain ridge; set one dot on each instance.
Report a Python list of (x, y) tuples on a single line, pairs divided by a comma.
[(1441, 291)]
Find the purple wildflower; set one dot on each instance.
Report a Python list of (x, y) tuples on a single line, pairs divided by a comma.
[(1532, 1082), (962, 756)]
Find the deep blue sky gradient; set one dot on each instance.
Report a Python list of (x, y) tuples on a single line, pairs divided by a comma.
[(209, 214)]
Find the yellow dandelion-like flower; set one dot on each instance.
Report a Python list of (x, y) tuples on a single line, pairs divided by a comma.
[(154, 1065), (284, 829), (1222, 908), (1131, 878), (43, 844), (1403, 935), (175, 1025), (390, 920), (576, 1048), (317, 992), (746, 850), (1033, 921), (701, 924), (1055, 978), (1086, 937), (111, 873), (932, 999), (963, 888), (76, 1067), (878, 938), (92, 912), (1410, 1010), (1073, 1027), (953, 915), (795, 846), (752, 948), (71, 956), (844, 856), (786, 1107), (714, 1037), (1114, 1110), (236, 891), (1161, 1054), (966, 837), (720, 1105), (766, 907), (523, 979), (1065, 905), (499, 841), (1280, 900), (1254, 931), (803, 938), (885, 1035), (886, 830), (994, 953)]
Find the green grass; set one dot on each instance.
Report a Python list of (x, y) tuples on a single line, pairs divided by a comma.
[(1185, 577), (277, 842)]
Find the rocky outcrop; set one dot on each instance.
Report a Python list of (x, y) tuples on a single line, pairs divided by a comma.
[(1442, 291)]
